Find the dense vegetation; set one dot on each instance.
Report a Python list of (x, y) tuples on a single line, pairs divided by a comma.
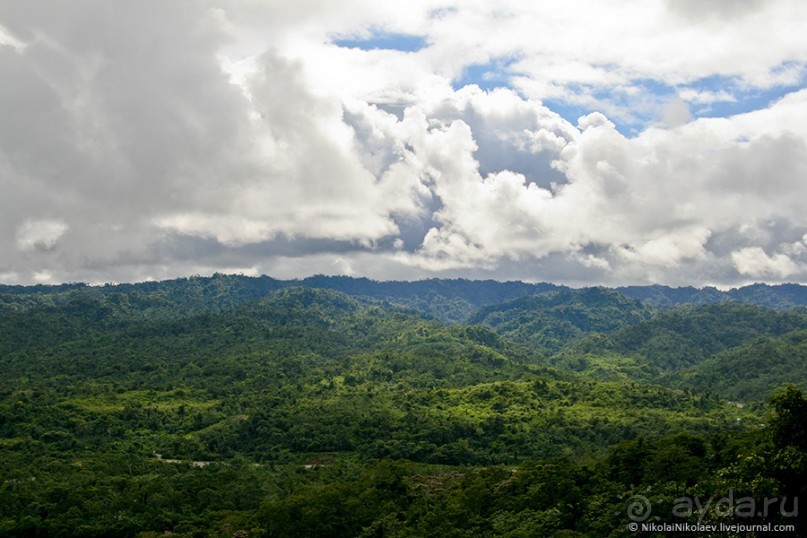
[(233, 406)]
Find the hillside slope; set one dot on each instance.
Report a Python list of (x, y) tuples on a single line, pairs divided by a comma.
[(242, 407)]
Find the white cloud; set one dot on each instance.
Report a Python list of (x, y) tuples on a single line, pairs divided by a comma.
[(668, 250), (559, 51), (656, 200), (9, 40), (189, 137), (228, 230), (595, 119), (797, 248), (674, 113), (343, 267), (43, 277), (706, 97), (40, 235), (755, 262)]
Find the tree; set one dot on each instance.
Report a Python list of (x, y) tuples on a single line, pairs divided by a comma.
[(790, 418)]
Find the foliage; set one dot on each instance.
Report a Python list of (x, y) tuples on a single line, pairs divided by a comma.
[(232, 406), (752, 371), (550, 321)]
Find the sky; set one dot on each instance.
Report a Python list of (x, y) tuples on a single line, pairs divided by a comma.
[(584, 142)]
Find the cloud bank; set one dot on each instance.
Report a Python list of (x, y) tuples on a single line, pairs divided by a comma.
[(614, 142)]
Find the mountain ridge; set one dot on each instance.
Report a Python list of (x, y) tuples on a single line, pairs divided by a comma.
[(449, 300)]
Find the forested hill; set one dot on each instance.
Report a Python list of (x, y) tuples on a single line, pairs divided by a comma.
[(340, 407), (779, 296), (448, 300)]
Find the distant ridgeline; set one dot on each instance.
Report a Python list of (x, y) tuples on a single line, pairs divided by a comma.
[(448, 300), (337, 406)]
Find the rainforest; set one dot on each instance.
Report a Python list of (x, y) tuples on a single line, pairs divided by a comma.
[(344, 407)]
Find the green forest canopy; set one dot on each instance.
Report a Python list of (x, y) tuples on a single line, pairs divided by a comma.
[(346, 407)]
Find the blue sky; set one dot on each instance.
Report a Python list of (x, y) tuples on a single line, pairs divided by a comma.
[(384, 41), (730, 95)]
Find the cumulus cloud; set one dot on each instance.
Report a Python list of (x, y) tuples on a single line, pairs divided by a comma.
[(755, 262), (148, 140), (674, 113), (654, 200), (139, 133)]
